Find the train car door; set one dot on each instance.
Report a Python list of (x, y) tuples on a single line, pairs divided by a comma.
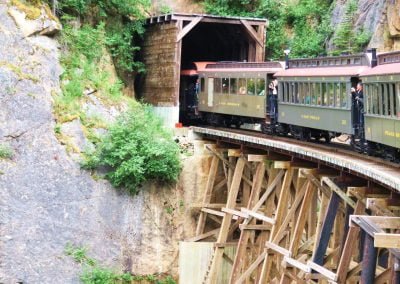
[(210, 94)]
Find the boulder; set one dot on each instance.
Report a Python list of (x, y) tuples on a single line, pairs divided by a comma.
[(45, 24)]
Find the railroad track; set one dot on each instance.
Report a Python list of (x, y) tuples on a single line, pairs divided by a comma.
[(336, 155)]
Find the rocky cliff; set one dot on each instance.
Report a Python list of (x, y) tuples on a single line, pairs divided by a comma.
[(47, 201), (381, 18)]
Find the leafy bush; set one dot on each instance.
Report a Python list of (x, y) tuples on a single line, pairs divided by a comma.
[(6, 151), (137, 149)]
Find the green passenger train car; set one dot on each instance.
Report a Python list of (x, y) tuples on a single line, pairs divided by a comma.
[(315, 97), (235, 92), (382, 104)]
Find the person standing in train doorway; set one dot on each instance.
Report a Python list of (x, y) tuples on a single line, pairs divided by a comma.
[(357, 98), (273, 98)]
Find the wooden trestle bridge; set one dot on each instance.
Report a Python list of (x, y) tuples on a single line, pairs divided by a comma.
[(298, 214)]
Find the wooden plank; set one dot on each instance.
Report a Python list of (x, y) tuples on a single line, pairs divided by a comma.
[(282, 164), (278, 249), (226, 222), (251, 268), (266, 194), (384, 222), (255, 227), (279, 216), (214, 212), (293, 262), (383, 204), (322, 270), (241, 253), (234, 153), (338, 191), (235, 212), (349, 247), (203, 236), (256, 158), (252, 32), (207, 194), (385, 240), (301, 219), (258, 216), (188, 28)]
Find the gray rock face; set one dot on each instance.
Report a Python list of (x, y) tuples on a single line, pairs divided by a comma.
[(46, 200)]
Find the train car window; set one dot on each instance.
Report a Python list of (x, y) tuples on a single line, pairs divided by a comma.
[(285, 91), (242, 86), (392, 92), (296, 90), (324, 95), (337, 95), (331, 94), (293, 92), (313, 92), (202, 84), (367, 99), (343, 95), (217, 86), (357, 60), (260, 87), (380, 99), (251, 87), (397, 100), (375, 101), (307, 93), (225, 85), (233, 89)]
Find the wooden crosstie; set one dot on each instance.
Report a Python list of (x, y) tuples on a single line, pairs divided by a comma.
[(292, 221)]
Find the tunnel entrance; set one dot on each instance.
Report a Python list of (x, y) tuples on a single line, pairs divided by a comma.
[(173, 42)]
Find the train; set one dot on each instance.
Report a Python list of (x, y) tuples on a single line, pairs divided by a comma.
[(315, 99)]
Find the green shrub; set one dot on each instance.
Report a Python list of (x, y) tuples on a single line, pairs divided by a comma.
[(93, 273), (137, 149), (6, 151)]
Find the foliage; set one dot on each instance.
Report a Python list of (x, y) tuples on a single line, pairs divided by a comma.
[(6, 151), (122, 21), (302, 26), (95, 274), (137, 149), (347, 40)]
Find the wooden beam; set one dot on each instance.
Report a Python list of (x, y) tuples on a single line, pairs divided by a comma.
[(252, 32), (322, 270), (338, 191), (385, 240), (251, 268), (207, 194), (369, 261), (278, 249), (188, 28), (203, 236), (255, 227), (349, 247), (293, 262), (235, 212), (256, 158), (258, 216)]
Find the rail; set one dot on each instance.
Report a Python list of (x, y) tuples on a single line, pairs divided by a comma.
[(379, 171)]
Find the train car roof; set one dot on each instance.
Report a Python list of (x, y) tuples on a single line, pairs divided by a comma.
[(232, 67), (341, 71), (327, 66), (388, 63), (385, 69), (195, 68)]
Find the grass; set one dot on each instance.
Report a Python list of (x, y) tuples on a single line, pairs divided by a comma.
[(93, 273), (6, 152)]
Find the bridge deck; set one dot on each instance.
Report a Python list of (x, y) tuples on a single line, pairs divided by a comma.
[(381, 172)]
